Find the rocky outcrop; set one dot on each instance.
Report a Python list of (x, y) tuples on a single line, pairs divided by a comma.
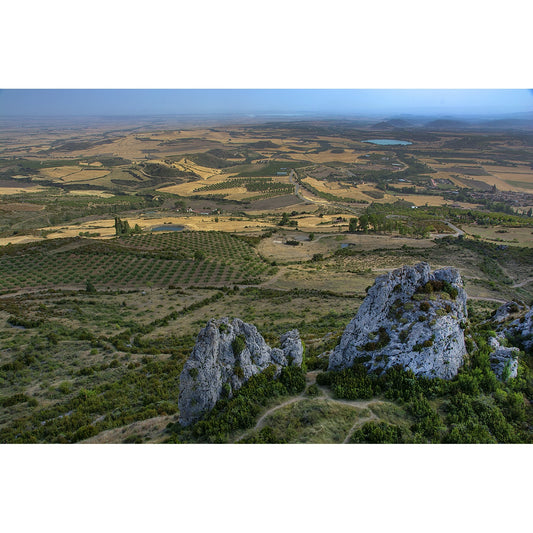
[(503, 359), (411, 317), (513, 320), (226, 355), (522, 329), (508, 311)]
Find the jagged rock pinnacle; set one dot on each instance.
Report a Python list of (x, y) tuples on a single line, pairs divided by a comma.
[(226, 355), (411, 317)]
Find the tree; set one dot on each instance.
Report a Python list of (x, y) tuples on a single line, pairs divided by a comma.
[(363, 222), (284, 220), (118, 226), (199, 255), (311, 236), (352, 227), (122, 227), (89, 287)]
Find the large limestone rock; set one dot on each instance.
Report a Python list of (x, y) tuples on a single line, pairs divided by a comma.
[(513, 320), (508, 311), (226, 355), (503, 359), (408, 318), (522, 328)]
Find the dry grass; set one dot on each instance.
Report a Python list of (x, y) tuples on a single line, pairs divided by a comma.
[(19, 239), (150, 430), (357, 193), (84, 175), (84, 192), (189, 166), (274, 248), (514, 236), (73, 174), (522, 174), (56, 173), (421, 199), (93, 164), (187, 189), (502, 177), (232, 193), (18, 190), (322, 279), (324, 157), (17, 207)]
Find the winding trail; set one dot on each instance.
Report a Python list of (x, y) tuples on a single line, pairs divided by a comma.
[(522, 283), (358, 423), (261, 422), (497, 300), (327, 396)]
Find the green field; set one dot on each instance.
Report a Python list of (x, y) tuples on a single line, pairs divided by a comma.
[(181, 259)]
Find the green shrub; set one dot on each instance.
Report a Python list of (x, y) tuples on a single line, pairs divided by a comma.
[(238, 345), (313, 390), (293, 378), (382, 341), (239, 372), (13, 399), (378, 433)]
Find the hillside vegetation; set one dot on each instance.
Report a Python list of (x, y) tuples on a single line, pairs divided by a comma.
[(284, 225)]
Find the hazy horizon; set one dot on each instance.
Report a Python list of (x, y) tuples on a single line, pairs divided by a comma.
[(287, 103)]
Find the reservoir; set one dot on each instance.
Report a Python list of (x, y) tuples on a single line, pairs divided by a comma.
[(387, 142), (168, 227)]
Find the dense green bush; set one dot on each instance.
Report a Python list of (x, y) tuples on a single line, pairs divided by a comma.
[(378, 433), (238, 345)]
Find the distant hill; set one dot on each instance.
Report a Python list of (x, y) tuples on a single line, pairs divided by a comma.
[(446, 124), (509, 123), (393, 123)]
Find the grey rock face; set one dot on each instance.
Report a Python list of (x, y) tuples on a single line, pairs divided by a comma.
[(291, 346), (226, 355), (523, 328), (408, 319), (513, 319), (507, 311), (503, 360)]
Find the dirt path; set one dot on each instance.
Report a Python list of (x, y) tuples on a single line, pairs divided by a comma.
[(38, 290), (497, 300), (327, 396), (358, 423), (522, 283), (261, 422), (272, 279)]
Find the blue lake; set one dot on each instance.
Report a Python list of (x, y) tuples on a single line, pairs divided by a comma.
[(387, 142), (168, 227)]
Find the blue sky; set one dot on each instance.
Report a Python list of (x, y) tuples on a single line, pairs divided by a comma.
[(61, 102)]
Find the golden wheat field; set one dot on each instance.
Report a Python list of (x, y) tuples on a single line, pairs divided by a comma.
[(18, 190), (349, 191)]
